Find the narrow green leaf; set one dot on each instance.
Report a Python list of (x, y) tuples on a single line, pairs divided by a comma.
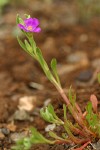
[(29, 48), (51, 110), (19, 20), (32, 41), (41, 59), (24, 47), (21, 44), (55, 136), (72, 96), (39, 138), (44, 65), (91, 118), (64, 108), (54, 69)]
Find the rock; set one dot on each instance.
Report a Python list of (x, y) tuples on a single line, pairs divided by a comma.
[(5, 131), (36, 112), (64, 69), (17, 136), (46, 102), (27, 103), (85, 75), (21, 115), (50, 127), (77, 57), (35, 85), (96, 146)]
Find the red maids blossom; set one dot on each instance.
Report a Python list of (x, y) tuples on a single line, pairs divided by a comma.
[(30, 25)]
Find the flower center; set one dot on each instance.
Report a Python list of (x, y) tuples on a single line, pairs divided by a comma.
[(29, 28)]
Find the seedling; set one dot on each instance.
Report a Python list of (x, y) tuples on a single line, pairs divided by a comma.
[(87, 124)]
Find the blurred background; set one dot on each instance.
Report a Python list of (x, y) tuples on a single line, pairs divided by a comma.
[(70, 32)]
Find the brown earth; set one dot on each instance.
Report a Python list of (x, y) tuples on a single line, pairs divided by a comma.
[(18, 70)]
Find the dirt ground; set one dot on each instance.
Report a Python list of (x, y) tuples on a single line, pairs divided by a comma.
[(77, 49)]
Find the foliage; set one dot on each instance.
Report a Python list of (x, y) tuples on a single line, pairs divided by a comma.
[(87, 9), (3, 2), (86, 126)]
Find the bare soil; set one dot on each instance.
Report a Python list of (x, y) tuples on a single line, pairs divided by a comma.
[(18, 70)]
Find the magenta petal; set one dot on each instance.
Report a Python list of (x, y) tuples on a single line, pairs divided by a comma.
[(31, 21), (38, 29), (35, 22), (30, 25), (22, 27)]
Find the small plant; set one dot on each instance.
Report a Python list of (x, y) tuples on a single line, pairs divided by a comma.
[(87, 125)]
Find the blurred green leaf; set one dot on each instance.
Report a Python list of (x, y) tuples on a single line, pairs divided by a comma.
[(72, 96), (91, 117), (64, 108), (21, 44), (27, 16), (24, 47), (3, 2), (19, 20), (29, 48)]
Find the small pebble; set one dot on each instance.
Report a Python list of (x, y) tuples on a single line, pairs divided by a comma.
[(36, 86), (96, 146), (17, 136), (36, 111), (5, 131), (21, 115), (47, 101), (77, 57), (85, 76), (50, 127)]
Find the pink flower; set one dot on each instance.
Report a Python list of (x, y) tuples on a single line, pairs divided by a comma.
[(30, 25)]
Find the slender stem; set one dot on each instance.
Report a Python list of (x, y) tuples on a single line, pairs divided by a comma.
[(83, 146), (77, 116), (62, 93)]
